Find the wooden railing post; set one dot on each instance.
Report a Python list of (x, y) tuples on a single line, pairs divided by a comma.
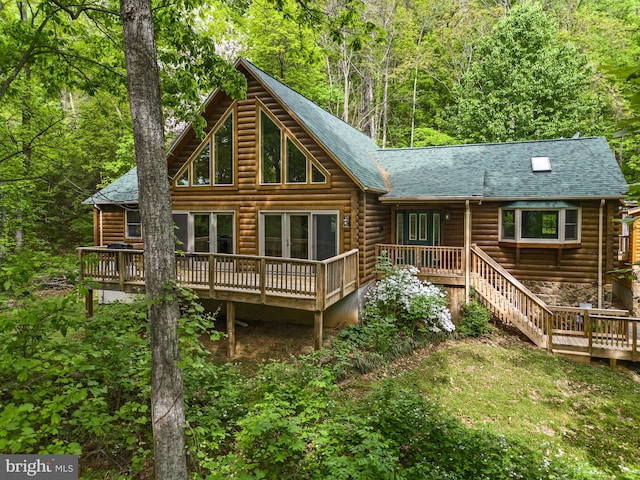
[(549, 327), (80, 260), (263, 279), (343, 265), (589, 327), (121, 272), (321, 286), (212, 274), (634, 342)]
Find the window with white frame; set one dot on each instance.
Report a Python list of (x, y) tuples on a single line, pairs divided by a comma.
[(205, 232), (305, 235), (134, 226), (546, 222)]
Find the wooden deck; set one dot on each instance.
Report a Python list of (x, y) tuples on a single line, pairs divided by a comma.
[(286, 282), (439, 265), (307, 285), (315, 285), (597, 333)]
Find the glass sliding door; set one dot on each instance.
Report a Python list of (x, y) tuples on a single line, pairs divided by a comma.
[(307, 235), (224, 233), (202, 232), (272, 235), (181, 231), (325, 235), (298, 236)]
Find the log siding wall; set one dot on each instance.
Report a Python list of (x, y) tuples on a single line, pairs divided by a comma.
[(247, 198), (573, 265), (370, 221)]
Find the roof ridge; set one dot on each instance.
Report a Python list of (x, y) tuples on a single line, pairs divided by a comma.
[(515, 142), (327, 112)]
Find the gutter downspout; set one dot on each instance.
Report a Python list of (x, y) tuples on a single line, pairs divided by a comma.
[(600, 245), (467, 250)]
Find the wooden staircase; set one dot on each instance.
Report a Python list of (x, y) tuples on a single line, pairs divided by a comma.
[(569, 331), (509, 300)]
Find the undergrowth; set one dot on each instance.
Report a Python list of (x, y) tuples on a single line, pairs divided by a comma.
[(74, 385)]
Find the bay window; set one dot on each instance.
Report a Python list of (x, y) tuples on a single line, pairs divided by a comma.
[(540, 223)]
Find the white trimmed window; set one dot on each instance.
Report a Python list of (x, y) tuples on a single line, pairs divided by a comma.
[(134, 226), (540, 222), (204, 232)]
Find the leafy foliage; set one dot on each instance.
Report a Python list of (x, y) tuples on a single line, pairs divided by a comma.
[(524, 83), (474, 321), (74, 385)]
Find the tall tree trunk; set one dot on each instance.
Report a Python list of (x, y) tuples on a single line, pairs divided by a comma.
[(26, 124), (167, 399)]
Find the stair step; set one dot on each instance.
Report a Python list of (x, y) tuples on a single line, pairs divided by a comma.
[(576, 353)]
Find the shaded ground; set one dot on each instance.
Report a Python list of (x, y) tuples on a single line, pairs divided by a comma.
[(260, 340)]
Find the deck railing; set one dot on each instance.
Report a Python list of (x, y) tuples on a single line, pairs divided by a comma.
[(429, 260), (606, 333), (240, 277)]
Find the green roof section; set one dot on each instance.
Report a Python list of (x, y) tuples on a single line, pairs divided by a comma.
[(350, 147), (122, 190), (580, 168)]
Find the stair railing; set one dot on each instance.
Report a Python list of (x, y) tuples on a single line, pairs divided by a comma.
[(509, 299)]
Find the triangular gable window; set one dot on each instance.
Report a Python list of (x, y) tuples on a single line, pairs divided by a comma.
[(279, 153), (214, 162)]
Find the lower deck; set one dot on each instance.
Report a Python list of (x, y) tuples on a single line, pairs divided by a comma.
[(306, 285), (314, 286)]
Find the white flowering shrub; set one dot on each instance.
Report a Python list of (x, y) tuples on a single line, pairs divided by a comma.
[(414, 305)]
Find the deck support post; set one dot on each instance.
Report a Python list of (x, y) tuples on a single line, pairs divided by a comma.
[(231, 329), (88, 303), (317, 329)]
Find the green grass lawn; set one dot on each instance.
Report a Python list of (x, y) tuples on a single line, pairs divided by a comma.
[(588, 413)]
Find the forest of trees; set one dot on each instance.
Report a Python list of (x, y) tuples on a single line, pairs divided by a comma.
[(413, 73)]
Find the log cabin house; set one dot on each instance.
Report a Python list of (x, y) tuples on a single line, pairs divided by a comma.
[(283, 205)]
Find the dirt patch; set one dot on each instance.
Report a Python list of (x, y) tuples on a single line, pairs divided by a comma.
[(261, 340)]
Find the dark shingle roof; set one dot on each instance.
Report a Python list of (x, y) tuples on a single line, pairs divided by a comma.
[(580, 168), (122, 190), (351, 148)]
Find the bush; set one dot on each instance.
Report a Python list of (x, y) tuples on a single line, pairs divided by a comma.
[(412, 304), (474, 321), (76, 385)]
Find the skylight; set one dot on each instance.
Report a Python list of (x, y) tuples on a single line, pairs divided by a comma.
[(540, 164)]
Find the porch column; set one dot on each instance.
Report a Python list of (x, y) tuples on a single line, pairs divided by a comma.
[(231, 329), (467, 250), (317, 329)]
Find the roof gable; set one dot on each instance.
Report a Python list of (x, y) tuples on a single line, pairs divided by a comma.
[(123, 190), (351, 149), (579, 167)]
